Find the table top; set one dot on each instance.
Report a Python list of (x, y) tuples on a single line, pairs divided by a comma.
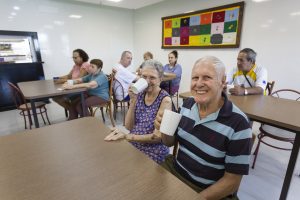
[(282, 113), (44, 89), (71, 160)]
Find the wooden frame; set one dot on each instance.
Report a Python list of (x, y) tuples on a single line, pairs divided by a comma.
[(218, 27)]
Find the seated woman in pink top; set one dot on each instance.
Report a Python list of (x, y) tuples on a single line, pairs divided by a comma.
[(80, 69)]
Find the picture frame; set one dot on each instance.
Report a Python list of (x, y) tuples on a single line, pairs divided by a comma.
[(218, 27)]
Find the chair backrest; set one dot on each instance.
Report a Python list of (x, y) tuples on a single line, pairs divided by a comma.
[(117, 90), (269, 87), (17, 95), (110, 85), (287, 94)]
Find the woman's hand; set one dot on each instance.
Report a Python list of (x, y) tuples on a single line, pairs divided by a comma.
[(131, 94), (158, 119), (114, 135), (67, 86)]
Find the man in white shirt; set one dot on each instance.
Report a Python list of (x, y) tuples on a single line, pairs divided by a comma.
[(124, 76), (247, 77)]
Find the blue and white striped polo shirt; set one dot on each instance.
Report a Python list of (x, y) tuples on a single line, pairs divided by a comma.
[(208, 147)]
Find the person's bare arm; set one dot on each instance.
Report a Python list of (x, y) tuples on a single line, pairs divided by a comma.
[(238, 90), (227, 185)]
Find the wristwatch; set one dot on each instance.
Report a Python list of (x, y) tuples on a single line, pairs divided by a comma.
[(245, 92)]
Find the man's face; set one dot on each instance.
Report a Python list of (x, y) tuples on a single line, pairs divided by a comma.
[(242, 63), (205, 85), (126, 60)]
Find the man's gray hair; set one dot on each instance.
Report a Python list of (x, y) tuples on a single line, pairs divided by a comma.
[(251, 54), (154, 64), (124, 53), (217, 63)]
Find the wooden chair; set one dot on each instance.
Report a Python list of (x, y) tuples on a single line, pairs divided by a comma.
[(269, 87), (273, 132), (117, 86), (107, 105), (25, 108)]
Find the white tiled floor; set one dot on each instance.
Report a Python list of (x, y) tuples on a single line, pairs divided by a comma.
[(263, 183)]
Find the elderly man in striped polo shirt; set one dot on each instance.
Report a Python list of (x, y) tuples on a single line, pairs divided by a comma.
[(214, 136)]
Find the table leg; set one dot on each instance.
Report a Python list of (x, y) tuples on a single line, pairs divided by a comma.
[(83, 104), (36, 121), (290, 169), (170, 89)]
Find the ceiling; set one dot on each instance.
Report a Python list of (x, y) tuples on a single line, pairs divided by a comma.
[(129, 4)]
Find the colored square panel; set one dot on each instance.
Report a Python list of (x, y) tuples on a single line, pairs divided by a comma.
[(185, 21), (176, 23), (218, 17), (229, 38), (184, 32), (205, 29), (184, 40), (216, 39), (230, 27), (194, 40), (194, 30), (204, 40), (175, 32), (176, 41), (195, 20), (205, 18), (168, 32), (168, 41), (231, 15), (168, 24), (217, 28)]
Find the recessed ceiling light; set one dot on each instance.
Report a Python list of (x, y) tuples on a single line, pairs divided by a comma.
[(115, 0), (295, 13), (258, 1), (16, 8), (13, 13), (75, 16)]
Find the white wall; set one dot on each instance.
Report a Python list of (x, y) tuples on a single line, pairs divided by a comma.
[(103, 32), (267, 27)]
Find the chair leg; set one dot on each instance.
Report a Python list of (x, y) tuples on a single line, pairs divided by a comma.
[(123, 110), (42, 116), (103, 118), (111, 116), (29, 118), (47, 116), (255, 153), (66, 113), (22, 113)]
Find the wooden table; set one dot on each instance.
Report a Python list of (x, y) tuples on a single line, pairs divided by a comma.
[(42, 89), (281, 113), (71, 160)]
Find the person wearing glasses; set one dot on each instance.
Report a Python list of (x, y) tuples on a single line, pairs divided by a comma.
[(79, 69), (247, 78), (142, 113)]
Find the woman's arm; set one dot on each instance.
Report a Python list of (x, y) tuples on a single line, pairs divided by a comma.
[(130, 116), (154, 137)]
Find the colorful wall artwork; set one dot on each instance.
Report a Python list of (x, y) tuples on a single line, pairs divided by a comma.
[(218, 27)]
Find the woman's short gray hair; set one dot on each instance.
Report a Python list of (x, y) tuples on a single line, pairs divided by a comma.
[(217, 63), (154, 64)]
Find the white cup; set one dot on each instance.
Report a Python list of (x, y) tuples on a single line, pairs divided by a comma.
[(139, 86), (169, 122), (228, 88), (70, 82)]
